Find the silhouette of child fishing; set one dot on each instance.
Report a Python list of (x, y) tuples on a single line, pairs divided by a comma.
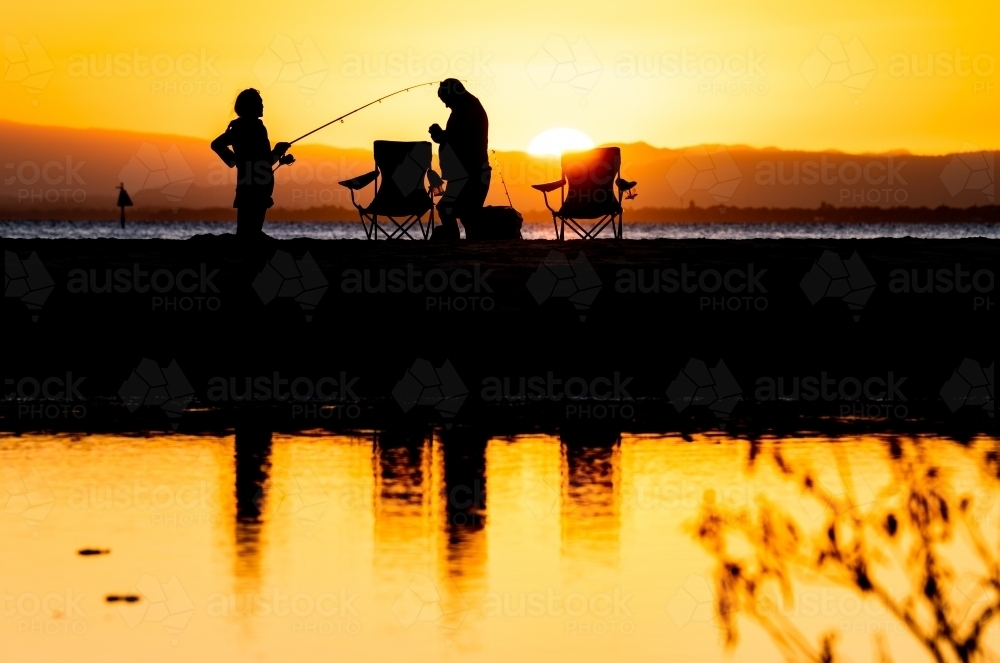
[(245, 146), (464, 161)]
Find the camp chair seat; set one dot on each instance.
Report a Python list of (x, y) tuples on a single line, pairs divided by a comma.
[(396, 208), (401, 196), (550, 186), (584, 210), (587, 192)]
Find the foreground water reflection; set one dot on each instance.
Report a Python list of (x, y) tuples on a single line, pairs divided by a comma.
[(312, 548)]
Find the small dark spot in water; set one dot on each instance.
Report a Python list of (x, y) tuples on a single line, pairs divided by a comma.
[(86, 552), (127, 598)]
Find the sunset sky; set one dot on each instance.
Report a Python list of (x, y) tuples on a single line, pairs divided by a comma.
[(847, 75)]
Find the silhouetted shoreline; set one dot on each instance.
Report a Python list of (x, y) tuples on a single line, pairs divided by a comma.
[(369, 325)]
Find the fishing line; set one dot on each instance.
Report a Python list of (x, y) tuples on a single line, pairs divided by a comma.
[(497, 161), (360, 108)]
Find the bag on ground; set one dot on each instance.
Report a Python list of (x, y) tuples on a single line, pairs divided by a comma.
[(494, 222)]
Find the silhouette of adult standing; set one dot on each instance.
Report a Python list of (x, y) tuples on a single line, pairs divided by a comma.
[(462, 153), (246, 146)]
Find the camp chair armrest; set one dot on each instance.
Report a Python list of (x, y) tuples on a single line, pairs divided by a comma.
[(550, 186), (361, 181), (625, 185)]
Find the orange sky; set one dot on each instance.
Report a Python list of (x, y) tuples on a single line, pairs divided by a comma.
[(794, 75)]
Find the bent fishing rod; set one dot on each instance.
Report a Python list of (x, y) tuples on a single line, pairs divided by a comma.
[(360, 108)]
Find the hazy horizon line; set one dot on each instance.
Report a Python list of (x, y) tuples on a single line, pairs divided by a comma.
[(733, 146)]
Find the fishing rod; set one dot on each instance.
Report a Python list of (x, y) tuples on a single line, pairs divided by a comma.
[(360, 108), (371, 103)]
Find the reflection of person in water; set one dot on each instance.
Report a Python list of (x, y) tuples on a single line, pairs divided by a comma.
[(245, 145), (464, 162)]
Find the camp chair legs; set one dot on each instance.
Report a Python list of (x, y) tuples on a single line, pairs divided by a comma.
[(374, 226), (612, 221)]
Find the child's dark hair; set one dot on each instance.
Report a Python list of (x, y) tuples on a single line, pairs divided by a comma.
[(248, 102)]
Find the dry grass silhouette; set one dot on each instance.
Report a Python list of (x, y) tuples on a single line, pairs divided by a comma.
[(915, 525)]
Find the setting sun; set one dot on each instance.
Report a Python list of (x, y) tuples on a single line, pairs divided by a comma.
[(556, 141)]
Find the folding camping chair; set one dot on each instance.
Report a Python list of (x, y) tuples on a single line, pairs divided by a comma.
[(400, 193), (591, 176)]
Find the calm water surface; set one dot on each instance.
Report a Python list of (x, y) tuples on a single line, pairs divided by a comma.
[(290, 230), (319, 548)]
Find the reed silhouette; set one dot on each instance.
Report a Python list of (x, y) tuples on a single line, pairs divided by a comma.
[(915, 522)]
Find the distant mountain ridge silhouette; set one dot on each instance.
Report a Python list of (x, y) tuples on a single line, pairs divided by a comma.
[(53, 168)]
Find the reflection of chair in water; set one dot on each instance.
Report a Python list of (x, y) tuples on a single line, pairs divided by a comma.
[(591, 500), (400, 193), (591, 176)]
